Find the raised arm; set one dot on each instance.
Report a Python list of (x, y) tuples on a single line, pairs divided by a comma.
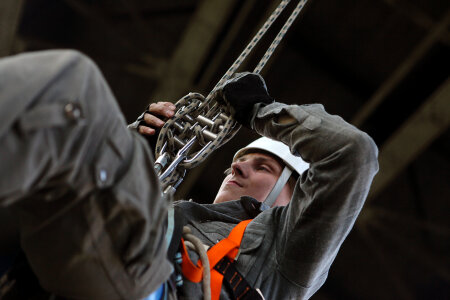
[(329, 196)]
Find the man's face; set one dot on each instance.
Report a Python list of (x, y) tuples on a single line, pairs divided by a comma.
[(253, 174)]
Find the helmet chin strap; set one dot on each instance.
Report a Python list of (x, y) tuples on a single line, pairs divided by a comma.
[(276, 190)]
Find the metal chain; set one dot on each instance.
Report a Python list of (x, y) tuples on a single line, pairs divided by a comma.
[(280, 36), (201, 125)]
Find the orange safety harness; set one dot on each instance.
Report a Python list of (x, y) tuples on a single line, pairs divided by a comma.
[(220, 258)]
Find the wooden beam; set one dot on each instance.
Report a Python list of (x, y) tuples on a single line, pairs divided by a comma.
[(194, 47), (402, 70), (393, 275), (96, 15), (413, 137), (417, 16), (10, 14), (225, 44)]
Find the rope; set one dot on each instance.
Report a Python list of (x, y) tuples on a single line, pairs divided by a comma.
[(236, 64), (279, 36), (194, 105), (193, 242)]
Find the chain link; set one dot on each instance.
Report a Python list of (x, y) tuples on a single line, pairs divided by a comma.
[(201, 125)]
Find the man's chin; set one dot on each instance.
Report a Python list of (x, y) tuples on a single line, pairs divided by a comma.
[(224, 198), (219, 200)]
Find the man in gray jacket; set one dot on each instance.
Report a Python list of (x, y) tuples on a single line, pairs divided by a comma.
[(92, 217)]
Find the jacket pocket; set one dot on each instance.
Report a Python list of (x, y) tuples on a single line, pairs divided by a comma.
[(51, 115), (251, 248), (252, 240), (112, 156)]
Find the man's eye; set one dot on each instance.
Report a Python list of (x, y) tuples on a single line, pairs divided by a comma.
[(264, 168)]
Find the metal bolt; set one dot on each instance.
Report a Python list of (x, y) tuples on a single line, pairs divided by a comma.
[(73, 111), (178, 258), (179, 280), (103, 175)]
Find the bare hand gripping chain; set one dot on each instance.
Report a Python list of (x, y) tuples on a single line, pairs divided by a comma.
[(201, 125)]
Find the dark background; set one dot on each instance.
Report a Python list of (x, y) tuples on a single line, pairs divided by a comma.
[(382, 65)]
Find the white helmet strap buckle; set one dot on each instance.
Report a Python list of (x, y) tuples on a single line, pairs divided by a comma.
[(276, 190)]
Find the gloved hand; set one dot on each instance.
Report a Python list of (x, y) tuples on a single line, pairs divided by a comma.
[(150, 122), (243, 92), (155, 116)]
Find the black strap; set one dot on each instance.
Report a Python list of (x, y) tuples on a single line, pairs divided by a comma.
[(238, 286), (180, 221)]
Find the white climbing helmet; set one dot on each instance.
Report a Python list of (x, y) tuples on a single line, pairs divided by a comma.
[(280, 150)]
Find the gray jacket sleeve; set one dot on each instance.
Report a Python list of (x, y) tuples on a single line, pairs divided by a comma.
[(328, 196), (89, 207)]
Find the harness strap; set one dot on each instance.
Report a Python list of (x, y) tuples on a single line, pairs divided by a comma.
[(276, 190), (228, 247), (238, 285)]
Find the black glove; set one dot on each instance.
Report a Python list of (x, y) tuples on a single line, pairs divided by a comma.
[(243, 92)]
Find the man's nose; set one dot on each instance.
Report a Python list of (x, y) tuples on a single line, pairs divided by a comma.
[(240, 168)]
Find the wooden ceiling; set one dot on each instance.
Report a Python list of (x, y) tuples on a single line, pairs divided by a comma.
[(383, 65)]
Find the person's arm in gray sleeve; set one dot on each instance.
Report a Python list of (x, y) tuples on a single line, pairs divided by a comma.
[(328, 196), (89, 205)]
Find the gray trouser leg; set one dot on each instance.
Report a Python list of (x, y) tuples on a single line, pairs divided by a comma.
[(89, 205)]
